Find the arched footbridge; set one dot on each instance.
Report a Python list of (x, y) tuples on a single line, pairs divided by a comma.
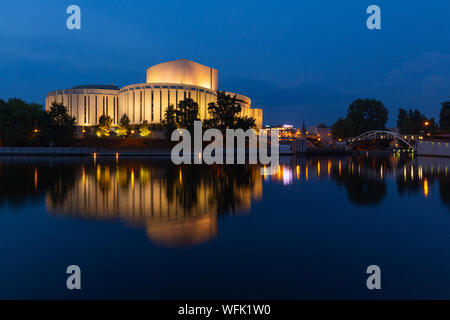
[(378, 135)]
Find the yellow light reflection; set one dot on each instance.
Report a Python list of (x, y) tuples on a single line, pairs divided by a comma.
[(425, 187), (318, 169), (35, 178), (329, 167)]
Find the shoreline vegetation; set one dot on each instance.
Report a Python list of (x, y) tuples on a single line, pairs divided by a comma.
[(29, 125)]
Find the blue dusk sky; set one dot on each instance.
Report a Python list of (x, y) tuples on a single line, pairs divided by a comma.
[(298, 60)]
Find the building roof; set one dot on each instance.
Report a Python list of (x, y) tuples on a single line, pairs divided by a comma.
[(97, 86)]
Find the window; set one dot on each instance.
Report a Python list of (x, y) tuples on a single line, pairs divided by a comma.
[(152, 105), (114, 110), (134, 107), (140, 105), (85, 111)]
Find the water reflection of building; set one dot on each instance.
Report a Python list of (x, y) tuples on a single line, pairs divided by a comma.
[(177, 205)]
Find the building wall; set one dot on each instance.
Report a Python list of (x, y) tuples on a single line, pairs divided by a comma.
[(433, 148), (183, 72), (86, 105), (139, 101)]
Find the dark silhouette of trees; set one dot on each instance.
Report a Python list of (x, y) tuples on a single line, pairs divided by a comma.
[(444, 116), (414, 122), (21, 123), (224, 114), (362, 115), (186, 114), (60, 128), (169, 122)]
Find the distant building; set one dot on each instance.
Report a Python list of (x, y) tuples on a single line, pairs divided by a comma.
[(324, 134), (286, 132), (167, 84)]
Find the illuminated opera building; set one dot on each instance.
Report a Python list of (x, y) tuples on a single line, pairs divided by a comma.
[(167, 84)]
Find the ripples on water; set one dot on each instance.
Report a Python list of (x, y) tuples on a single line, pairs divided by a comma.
[(186, 206)]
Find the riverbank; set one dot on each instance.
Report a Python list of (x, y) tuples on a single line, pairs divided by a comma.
[(82, 151)]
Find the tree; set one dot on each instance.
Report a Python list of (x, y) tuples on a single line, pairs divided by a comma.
[(124, 126), (21, 123), (444, 116), (342, 129), (169, 123), (186, 114), (245, 123), (224, 114), (362, 115), (104, 127), (144, 129), (414, 122), (61, 126)]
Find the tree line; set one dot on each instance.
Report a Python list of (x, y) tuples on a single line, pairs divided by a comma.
[(28, 124), (370, 114)]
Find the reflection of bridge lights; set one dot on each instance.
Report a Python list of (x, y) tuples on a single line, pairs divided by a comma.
[(339, 167), (425, 188), (329, 167)]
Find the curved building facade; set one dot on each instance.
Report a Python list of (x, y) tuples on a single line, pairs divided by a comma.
[(167, 84)]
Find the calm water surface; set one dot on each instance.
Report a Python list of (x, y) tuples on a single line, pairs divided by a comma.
[(144, 228)]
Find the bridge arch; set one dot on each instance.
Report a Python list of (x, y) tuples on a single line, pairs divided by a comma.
[(378, 134)]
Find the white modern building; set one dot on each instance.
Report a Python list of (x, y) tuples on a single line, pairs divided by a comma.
[(167, 84)]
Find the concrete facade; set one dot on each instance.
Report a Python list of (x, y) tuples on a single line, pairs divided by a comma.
[(433, 148)]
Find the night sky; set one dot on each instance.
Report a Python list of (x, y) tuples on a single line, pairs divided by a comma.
[(298, 60)]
